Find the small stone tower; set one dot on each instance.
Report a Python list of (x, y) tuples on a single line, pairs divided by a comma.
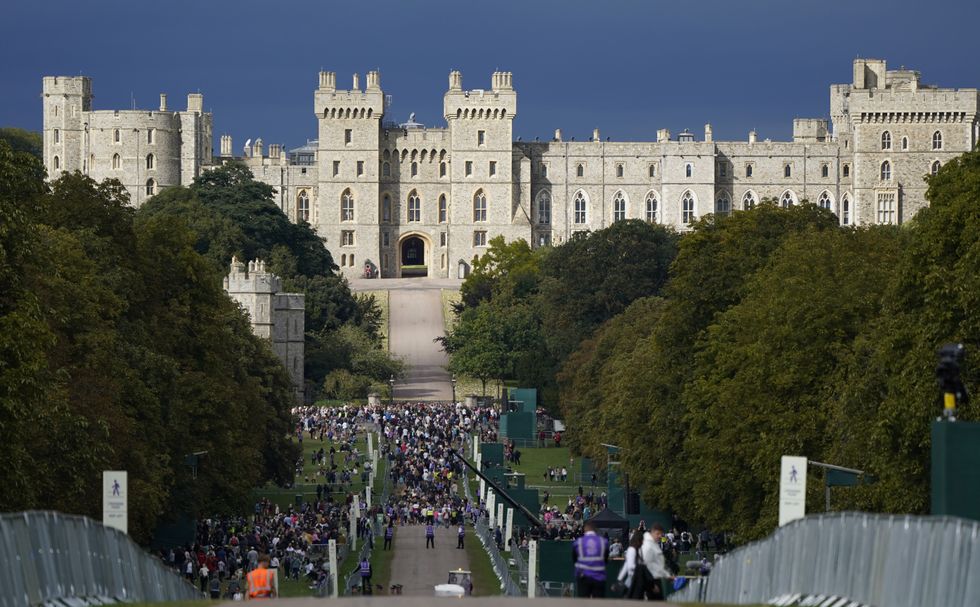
[(276, 316), (65, 98)]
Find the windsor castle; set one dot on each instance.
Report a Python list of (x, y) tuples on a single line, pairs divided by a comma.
[(406, 199)]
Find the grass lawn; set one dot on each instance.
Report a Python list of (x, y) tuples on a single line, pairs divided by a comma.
[(485, 582), (384, 303), (449, 298), (381, 562)]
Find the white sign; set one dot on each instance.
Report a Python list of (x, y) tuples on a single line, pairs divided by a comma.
[(532, 569), (332, 556), (115, 500), (500, 514), (492, 508), (510, 529), (792, 489)]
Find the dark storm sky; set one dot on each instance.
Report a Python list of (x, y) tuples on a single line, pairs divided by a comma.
[(628, 67)]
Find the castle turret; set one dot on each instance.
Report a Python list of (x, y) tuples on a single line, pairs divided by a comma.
[(65, 98)]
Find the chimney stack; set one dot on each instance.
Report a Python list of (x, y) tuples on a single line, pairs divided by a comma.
[(163, 102), (357, 83), (595, 135), (557, 134), (707, 133), (752, 137)]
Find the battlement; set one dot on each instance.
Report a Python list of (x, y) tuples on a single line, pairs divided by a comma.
[(499, 102), (331, 102), (67, 85), (254, 278)]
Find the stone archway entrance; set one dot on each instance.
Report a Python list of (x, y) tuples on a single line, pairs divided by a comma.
[(413, 254)]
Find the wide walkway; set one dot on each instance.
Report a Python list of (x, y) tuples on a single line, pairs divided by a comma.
[(415, 321), (417, 568)]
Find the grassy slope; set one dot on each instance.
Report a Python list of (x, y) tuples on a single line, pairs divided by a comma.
[(384, 303)]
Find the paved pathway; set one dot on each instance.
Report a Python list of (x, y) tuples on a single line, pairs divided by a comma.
[(419, 569), (415, 320), (406, 601)]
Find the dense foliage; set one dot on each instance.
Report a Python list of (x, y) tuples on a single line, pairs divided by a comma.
[(777, 332), (120, 350), (230, 213)]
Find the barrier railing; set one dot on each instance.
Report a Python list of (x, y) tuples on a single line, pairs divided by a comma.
[(873, 559), (354, 577), (49, 556), (485, 535)]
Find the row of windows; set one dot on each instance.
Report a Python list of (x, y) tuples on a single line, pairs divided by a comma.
[(481, 113), (886, 169), (117, 136), (689, 170), (886, 141), (414, 207), (347, 239), (414, 168)]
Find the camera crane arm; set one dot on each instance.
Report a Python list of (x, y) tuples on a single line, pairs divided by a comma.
[(506, 496)]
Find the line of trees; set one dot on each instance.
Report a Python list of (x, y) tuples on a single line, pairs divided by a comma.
[(775, 331), (120, 350)]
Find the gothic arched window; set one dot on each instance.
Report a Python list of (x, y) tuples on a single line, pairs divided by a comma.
[(687, 207), (723, 204), (479, 206), (544, 207), (303, 206), (619, 206), (347, 206), (414, 207), (886, 141)]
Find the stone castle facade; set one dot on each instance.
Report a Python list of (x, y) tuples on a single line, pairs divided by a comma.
[(407, 199), (274, 315)]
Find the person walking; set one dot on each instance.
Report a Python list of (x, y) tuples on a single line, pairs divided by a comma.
[(627, 574), (430, 536), (653, 559), (590, 553), (460, 535), (262, 582), (389, 534), (203, 575), (365, 576)]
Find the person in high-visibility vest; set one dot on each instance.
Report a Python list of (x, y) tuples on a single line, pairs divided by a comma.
[(590, 554), (389, 534), (262, 581), (365, 576), (430, 536)]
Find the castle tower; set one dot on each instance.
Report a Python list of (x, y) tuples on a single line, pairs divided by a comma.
[(483, 161), (65, 139), (348, 156), (276, 316)]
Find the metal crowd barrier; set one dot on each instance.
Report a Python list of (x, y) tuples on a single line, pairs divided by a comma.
[(872, 559), (47, 557), (485, 535), (354, 577)]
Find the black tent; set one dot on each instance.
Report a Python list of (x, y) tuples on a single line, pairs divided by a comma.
[(612, 525)]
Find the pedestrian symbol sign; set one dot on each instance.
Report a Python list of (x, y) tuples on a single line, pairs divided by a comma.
[(792, 489), (115, 500)]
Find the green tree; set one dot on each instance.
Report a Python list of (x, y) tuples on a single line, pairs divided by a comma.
[(21, 140)]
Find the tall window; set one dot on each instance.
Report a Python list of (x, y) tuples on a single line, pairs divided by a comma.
[(653, 170), (687, 208), (824, 201), (347, 238), (57, 136), (651, 207), (443, 209), (886, 141), (847, 170), (937, 141), (935, 167), (480, 206), (347, 206), (619, 170), (748, 201), (886, 208), (787, 171), (787, 200), (360, 168), (442, 169), (845, 205), (415, 169), (723, 169), (723, 204), (116, 136), (886, 171), (151, 187), (386, 169), (825, 171), (468, 167), (149, 161), (149, 135), (481, 138), (905, 143), (56, 162), (544, 208), (619, 207), (688, 170), (348, 136), (480, 238), (116, 161), (544, 170), (748, 170), (579, 171), (581, 207), (386, 208), (414, 207), (493, 168), (303, 206), (336, 168)]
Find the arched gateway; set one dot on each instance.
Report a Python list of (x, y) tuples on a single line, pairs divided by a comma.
[(413, 255)]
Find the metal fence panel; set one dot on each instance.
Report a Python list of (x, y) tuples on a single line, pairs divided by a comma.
[(872, 559), (49, 556)]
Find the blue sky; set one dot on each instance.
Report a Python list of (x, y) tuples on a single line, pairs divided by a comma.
[(627, 67)]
